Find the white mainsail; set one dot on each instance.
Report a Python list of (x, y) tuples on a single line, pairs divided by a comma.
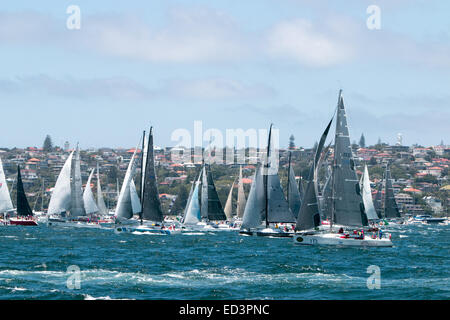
[(367, 196), (100, 200), (124, 209), (88, 197), (5, 197), (255, 208), (61, 196)]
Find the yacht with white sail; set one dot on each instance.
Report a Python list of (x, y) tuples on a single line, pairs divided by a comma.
[(267, 207), (150, 213)]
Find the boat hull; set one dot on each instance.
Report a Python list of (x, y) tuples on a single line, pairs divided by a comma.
[(20, 222), (337, 240), (143, 230)]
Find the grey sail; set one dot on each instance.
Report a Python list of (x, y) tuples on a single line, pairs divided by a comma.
[(214, 206), (23, 207), (378, 202), (278, 206), (309, 214), (348, 207), (390, 205), (255, 208), (100, 199), (241, 201), (294, 198), (77, 208), (151, 206), (326, 196)]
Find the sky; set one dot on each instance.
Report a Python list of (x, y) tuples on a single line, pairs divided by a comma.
[(230, 64)]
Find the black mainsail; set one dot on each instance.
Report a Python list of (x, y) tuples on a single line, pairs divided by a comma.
[(151, 206), (23, 207), (347, 203), (390, 205), (309, 214)]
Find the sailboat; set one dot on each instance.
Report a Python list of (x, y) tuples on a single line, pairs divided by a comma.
[(211, 213), (347, 207), (24, 212), (66, 207), (151, 215), (390, 210), (124, 210), (266, 203), (6, 206)]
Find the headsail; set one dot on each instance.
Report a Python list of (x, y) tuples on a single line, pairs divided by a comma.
[(211, 207), (124, 209), (309, 215), (151, 206), (88, 197), (348, 207), (367, 196), (390, 205), (135, 201), (229, 204), (192, 211), (241, 201), (23, 207), (100, 200), (60, 200), (255, 209), (5, 197), (275, 203)]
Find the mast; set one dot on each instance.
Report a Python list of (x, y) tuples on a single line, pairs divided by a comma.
[(266, 178)]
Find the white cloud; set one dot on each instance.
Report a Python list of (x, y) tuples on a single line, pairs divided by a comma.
[(302, 41), (218, 88)]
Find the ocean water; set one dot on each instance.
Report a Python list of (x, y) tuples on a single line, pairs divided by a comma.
[(34, 264)]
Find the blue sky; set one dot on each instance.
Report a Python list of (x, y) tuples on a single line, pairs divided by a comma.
[(231, 64)]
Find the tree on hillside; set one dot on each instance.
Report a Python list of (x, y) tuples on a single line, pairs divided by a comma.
[(291, 142), (362, 141), (48, 144)]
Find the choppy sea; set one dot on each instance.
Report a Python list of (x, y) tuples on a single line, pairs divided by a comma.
[(72, 263)]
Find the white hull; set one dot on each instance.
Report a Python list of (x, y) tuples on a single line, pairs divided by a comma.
[(146, 230), (337, 239)]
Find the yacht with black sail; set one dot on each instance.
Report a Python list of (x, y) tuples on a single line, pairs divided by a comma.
[(151, 218), (347, 207)]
